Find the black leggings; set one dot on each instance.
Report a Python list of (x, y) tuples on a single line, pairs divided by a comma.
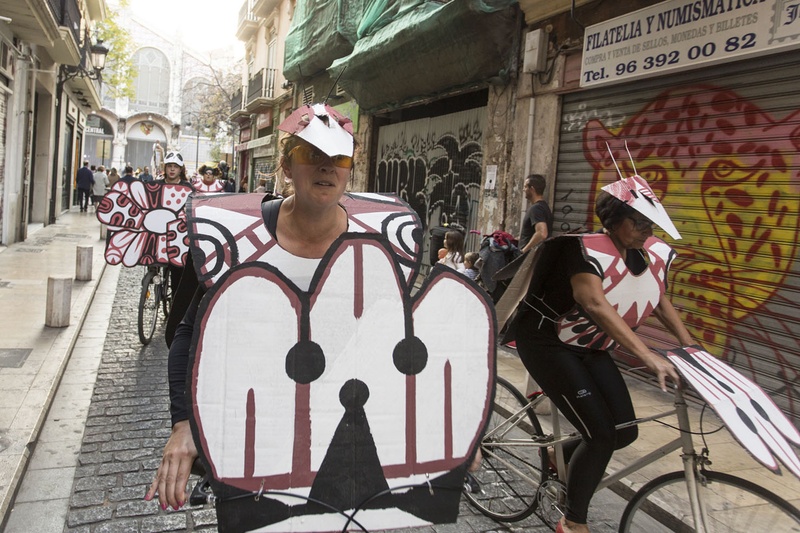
[(589, 391)]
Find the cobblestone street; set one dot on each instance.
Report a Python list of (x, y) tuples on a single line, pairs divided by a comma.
[(128, 424)]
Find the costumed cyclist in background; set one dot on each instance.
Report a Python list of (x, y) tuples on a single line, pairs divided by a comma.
[(208, 181), (175, 170), (587, 294), (175, 174)]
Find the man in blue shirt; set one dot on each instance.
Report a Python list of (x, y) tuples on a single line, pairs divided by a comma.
[(145, 176), (84, 182)]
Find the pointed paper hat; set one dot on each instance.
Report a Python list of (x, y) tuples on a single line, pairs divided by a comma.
[(636, 192), (322, 126)]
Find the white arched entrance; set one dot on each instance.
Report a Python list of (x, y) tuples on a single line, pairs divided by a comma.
[(141, 138)]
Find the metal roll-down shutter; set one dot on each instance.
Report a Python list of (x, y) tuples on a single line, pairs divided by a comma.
[(721, 147)]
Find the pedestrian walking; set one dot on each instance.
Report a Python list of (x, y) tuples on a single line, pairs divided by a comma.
[(538, 222), (84, 182), (128, 176), (101, 183), (145, 176), (113, 176)]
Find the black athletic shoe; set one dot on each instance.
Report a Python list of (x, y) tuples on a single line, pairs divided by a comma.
[(471, 484)]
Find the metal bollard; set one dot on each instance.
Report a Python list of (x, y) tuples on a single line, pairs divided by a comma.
[(103, 232), (59, 299), (83, 263)]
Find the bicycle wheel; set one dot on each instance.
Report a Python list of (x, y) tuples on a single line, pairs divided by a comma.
[(166, 291), (148, 306), (731, 504), (509, 475)]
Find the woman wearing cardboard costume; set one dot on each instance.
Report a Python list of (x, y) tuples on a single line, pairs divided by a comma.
[(588, 294), (318, 162), (209, 180)]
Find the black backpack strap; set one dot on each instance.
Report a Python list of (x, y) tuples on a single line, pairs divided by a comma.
[(269, 212)]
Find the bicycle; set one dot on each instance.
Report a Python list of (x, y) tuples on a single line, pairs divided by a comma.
[(156, 293), (517, 480)]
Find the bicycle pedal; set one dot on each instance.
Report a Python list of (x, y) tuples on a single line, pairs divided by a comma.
[(202, 493)]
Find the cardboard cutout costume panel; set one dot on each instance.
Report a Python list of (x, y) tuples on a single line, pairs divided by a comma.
[(345, 402), (750, 415), (146, 223), (202, 187)]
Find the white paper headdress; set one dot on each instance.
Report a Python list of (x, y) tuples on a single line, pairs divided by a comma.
[(636, 192), (322, 126)]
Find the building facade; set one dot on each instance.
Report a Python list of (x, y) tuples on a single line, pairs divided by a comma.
[(47, 89), (165, 108), (264, 97)]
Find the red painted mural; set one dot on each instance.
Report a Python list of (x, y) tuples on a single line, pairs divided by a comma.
[(729, 175)]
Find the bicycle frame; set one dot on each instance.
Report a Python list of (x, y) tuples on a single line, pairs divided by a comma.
[(683, 441)]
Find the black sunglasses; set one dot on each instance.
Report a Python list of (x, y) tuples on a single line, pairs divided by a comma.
[(641, 224)]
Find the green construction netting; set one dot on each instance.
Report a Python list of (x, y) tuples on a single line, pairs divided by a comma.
[(429, 49), (383, 43), (379, 13), (321, 31)]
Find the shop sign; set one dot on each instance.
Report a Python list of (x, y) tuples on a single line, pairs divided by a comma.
[(264, 120), (263, 151), (244, 135), (681, 34)]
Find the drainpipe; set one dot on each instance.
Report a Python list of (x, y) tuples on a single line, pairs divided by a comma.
[(56, 152), (528, 148)]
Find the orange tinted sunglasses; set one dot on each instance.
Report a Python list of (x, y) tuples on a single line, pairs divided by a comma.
[(309, 155)]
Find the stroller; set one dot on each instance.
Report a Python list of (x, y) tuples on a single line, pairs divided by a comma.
[(497, 250)]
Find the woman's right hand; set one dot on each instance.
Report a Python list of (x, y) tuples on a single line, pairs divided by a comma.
[(662, 368), (176, 464)]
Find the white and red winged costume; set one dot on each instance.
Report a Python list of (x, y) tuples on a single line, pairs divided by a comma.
[(337, 391), (634, 296), (146, 223), (202, 187)]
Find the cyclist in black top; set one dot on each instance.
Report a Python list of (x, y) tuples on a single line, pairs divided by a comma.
[(587, 295)]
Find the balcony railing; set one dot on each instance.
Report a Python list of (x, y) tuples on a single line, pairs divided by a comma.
[(70, 17), (55, 8), (247, 21), (236, 102), (246, 12), (67, 14), (262, 85)]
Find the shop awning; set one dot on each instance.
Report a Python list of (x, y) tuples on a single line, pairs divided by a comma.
[(255, 143)]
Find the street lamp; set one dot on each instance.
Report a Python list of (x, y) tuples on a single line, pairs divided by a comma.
[(197, 150), (99, 54), (96, 54), (197, 127)]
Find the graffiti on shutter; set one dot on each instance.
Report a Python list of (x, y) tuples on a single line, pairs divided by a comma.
[(434, 164), (723, 158)]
